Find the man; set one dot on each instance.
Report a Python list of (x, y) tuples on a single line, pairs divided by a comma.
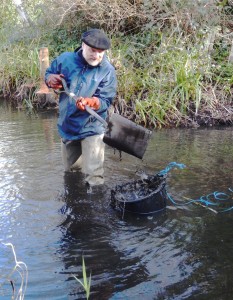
[(91, 77)]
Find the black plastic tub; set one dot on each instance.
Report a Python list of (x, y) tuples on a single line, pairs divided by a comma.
[(143, 196)]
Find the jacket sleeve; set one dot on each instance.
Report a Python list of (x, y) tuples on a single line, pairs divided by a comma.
[(106, 90), (54, 68)]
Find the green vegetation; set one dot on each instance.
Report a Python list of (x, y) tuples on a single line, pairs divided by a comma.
[(172, 56), (86, 284)]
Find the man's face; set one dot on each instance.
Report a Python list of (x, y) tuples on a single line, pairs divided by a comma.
[(92, 56)]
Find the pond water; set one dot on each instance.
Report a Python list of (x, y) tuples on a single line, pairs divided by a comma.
[(185, 252)]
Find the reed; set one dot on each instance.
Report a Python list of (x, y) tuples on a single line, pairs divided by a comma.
[(161, 80), (19, 65), (85, 283)]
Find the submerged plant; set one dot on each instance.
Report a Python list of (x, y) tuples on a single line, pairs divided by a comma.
[(86, 284)]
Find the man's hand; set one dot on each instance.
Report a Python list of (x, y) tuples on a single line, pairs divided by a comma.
[(92, 102), (54, 81)]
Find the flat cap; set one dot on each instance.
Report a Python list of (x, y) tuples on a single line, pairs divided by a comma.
[(96, 38)]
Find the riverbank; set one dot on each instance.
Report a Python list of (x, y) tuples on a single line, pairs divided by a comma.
[(173, 62), (206, 117), (218, 115)]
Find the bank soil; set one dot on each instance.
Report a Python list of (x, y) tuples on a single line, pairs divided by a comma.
[(219, 115), (213, 114)]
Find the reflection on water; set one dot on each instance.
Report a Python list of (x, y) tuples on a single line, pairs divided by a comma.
[(181, 253), (87, 230)]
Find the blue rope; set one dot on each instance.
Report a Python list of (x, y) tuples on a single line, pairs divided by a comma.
[(212, 199), (205, 200), (170, 166), (227, 209)]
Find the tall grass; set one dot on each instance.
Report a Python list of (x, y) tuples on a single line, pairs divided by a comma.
[(19, 65), (163, 78)]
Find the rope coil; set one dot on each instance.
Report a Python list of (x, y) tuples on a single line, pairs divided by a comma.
[(213, 199)]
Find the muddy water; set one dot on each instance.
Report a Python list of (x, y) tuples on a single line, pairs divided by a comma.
[(184, 252)]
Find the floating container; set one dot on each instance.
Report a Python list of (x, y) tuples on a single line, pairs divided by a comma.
[(143, 196)]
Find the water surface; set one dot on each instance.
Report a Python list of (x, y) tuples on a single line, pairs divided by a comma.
[(185, 252)]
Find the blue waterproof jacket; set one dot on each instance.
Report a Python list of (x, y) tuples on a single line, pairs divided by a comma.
[(86, 81)]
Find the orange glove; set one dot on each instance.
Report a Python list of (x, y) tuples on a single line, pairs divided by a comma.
[(93, 102), (54, 81)]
